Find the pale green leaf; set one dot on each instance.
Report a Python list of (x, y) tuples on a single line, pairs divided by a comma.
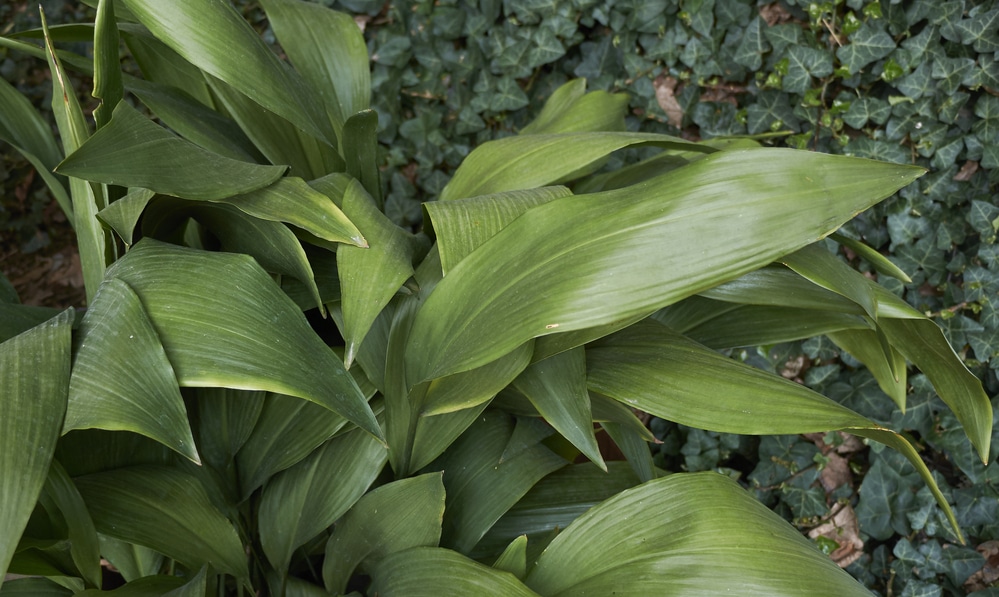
[(463, 225), (602, 258), (300, 502), (556, 386), (528, 161), (571, 110), (122, 379), (670, 537), (132, 151), (214, 37), (403, 514), (123, 215), (877, 260), (328, 49), (34, 375), (87, 200), (167, 510), (433, 572), (224, 322), (866, 347), (822, 268)]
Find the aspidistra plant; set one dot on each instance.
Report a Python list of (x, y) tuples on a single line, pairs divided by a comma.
[(193, 428)]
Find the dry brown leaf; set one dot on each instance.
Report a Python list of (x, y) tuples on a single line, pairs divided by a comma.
[(967, 171), (665, 87), (844, 530), (989, 574), (775, 14)]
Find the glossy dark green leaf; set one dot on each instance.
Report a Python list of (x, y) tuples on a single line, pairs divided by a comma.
[(132, 151), (369, 276), (360, 149), (131, 560), (641, 542), (34, 375), (403, 514), (328, 49), (555, 501), (607, 248), (469, 389), (225, 420), (867, 347), (258, 340), (220, 42), (514, 558), (161, 65), (287, 430), (557, 388), (877, 260), (528, 161), (167, 510), (753, 325), (80, 530), (822, 268), (482, 483), (635, 448), (108, 86), (298, 503), (867, 44), (122, 379), (435, 434)]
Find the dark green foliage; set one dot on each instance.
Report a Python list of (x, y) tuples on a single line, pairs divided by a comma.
[(907, 82)]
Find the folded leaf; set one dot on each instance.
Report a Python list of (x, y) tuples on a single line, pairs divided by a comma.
[(432, 572)]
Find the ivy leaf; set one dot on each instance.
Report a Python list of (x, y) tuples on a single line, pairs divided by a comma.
[(867, 109), (987, 129), (950, 73), (508, 96), (867, 44), (753, 45), (771, 109), (803, 64), (702, 15), (919, 83), (981, 31), (886, 494)]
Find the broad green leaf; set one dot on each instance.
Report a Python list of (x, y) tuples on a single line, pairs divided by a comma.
[(571, 110), (122, 379), (225, 420), (635, 448), (463, 225), (45, 557), (80, 530), (482, 482), (822, 268), (271, 243), (161, 65), (433, 571), (669, 536), (293, 201), (34, 375), (123, 215), (86, 198), (280, 141), (360, 152), (132, 151), (298, 503), (215, 38), (649, 367), (866, 346), (16, 318), (167, 510), (514, 558), (469, 389), (253, 339), (131, 560), (528, 161), (34, 587), (435, 434), (922, 342), (557, 388), (403, 514), (328, 49), (780, 287), (753, 325), (665, 374), (108, 86), (878, 261), (159, 585), (194, 121), (287, 430), (608, 410), (603, 259), (369, 276), (555, 501), (24, 129)]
